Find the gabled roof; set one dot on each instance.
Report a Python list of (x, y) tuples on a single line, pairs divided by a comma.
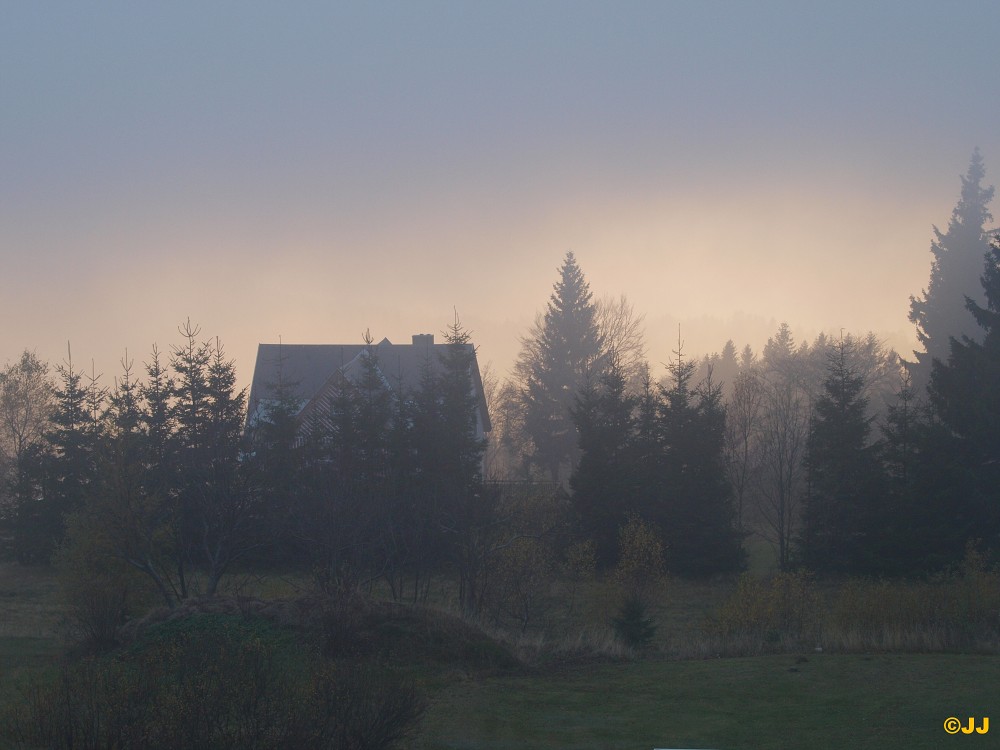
[(305, 369)]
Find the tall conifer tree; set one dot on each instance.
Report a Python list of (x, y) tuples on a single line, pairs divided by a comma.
[(965, 396), (556, 359), (695, 508), (605, 482), (940, 313), (845, 492)]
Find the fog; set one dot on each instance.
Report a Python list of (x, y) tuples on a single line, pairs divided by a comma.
[(311, 173)]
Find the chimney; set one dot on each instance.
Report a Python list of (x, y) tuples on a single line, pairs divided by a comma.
[(424, 339)]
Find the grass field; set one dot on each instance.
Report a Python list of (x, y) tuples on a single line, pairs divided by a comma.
[(826, 701), (31, 624), (808, 700)]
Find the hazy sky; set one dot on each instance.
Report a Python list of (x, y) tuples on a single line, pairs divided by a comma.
[(310, 170)]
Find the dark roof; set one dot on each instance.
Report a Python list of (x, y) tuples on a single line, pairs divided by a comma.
[(306, 368)]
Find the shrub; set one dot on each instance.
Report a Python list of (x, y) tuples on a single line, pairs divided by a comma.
[(519, 584), (218, 681), (100, 590), (578, 568), (633, 626), (959, 611), (640, 556), (760, 614)]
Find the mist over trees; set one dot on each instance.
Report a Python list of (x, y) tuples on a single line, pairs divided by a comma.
[(830, 451)]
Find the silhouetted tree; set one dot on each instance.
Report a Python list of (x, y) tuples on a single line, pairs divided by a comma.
[(620, 330), (900, 429), (130, 516), (213, 500), (695, 510), (26, 403), (64, 470), (845, 498), (604, 483), (276, 457), (468, 509), (913, 525), (742, 443), (724, 367), (781, 443), (349, 493), (229, 501), (940, 312), (965, 396), (556, 359)]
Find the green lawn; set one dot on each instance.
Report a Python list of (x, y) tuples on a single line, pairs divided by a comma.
[(828, 701)]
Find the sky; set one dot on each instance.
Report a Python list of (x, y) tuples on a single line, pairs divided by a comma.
[(310, 170)]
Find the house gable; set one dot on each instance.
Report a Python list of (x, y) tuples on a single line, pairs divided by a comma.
[(310, 372)]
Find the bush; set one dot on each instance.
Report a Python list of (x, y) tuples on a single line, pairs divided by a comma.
[(100, 590), (214, 681), (763, 615), (960, 611), (519, 584), (640, 556), (633, 626)]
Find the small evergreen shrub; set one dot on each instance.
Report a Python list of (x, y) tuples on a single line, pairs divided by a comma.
[(633, 626)]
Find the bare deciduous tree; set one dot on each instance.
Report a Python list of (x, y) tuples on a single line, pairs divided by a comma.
[(742, 443), (25, 404), (784, 428), (622, 337)]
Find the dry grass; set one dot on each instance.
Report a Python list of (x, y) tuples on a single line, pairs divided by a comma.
[(31, 605), (780, 613), (959, 612)]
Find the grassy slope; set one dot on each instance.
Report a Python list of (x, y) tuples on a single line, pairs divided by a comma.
[(887, 701)]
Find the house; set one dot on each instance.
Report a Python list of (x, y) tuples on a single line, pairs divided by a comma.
[(311, 372)]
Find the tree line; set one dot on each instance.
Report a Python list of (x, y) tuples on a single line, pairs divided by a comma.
[(846, 458), (166, 477)]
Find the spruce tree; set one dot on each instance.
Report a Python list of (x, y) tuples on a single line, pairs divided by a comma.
[(459, 407), (845, 495), (228, 503), (695, 509), (965, 396), (132, 504), (158, 424), (66, 469), (940, 312), (556, 359), (459, 511), (211, 501), (276, 456), (605, 481), (915, 532)]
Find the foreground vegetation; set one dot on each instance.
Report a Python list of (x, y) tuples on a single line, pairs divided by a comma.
[(732, 663)]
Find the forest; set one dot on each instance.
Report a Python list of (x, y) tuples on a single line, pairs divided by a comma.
[(800, 481)]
